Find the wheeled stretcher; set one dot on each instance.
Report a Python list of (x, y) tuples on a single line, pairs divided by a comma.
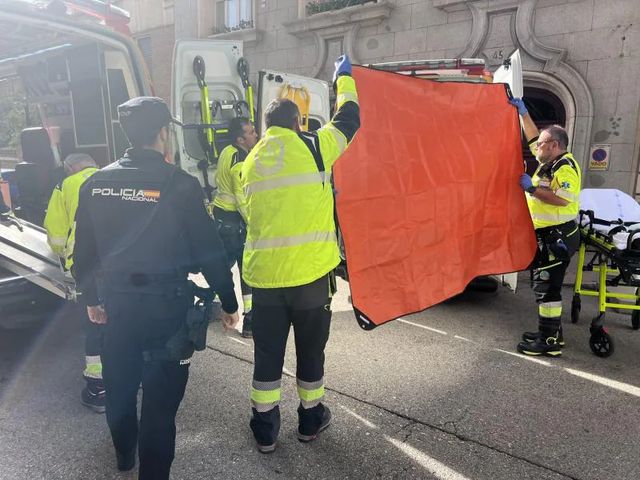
[(609, 222)]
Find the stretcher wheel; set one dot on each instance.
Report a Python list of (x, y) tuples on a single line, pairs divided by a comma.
[(576, 305), (635, 316), (601, 343)]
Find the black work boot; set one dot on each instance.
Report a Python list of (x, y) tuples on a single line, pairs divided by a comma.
[(93, 395), (247, 324), (265, 427), (312, 421), (531, 337)]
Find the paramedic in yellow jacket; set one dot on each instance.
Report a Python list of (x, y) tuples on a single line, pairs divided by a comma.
[(228, 203), (553, 199), (291, 252), (60, 225)]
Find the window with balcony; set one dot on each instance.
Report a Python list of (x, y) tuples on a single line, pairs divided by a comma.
[(234, 15), (319, 6)]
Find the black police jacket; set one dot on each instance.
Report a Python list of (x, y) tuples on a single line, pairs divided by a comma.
[(143, 221)]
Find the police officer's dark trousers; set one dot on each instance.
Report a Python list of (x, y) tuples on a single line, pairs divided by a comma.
[(139, 323), (556, 245), (275, 310)]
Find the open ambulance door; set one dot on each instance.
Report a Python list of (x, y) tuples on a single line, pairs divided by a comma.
[(511, 73), (310, 94), (207, 92)]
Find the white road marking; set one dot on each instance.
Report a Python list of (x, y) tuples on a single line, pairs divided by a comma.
[(614, 384), (463, 339), (434, 467), (524, 357), (239, 341), (287, 372), (623, 387), (441, 332), (358, 417)]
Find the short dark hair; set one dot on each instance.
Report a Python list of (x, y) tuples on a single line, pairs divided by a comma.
[(559, 134), (281, 112), (236, 127)]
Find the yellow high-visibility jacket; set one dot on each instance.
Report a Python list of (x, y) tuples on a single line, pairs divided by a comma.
[(289, 207), (229, 196), (563, 177), (60, 218)]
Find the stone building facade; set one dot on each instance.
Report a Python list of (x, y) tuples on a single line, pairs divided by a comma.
[(581, 58)]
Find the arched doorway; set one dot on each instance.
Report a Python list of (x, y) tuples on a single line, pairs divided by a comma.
[(545, 109)]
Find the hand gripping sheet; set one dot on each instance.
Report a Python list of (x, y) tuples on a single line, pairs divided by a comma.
[(427, 194)]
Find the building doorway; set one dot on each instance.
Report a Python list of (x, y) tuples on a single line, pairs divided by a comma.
[(545, 109)]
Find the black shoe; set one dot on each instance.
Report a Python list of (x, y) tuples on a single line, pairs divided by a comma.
[(94, 398), (531, 337), (326, 421), (547, 347), (247, 331), (126, 461)]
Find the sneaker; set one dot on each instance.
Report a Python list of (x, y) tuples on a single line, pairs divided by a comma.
[(531, 337), (541, 347), (266, 448), (94, 398), (326, 421), (126, 461), (247, 331)]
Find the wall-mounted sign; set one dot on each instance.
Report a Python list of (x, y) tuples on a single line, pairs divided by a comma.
[(600, 156)]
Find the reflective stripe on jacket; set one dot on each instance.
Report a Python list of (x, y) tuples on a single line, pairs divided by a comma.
[(289, 208), (60, 218), (564, 178)]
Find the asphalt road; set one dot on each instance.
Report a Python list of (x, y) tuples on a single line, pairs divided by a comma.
[(436, 395)]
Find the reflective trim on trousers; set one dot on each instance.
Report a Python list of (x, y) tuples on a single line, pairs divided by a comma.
[(265, 395), (292, 241), (550, 309), (310, 393), (247, 302), (93, 368), (287, 181)]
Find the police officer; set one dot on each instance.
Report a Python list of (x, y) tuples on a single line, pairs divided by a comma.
[(59, 223), (228, 203), (142, 227), (291, 252), (553, 199)]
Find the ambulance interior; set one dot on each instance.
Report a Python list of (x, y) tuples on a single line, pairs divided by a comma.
[(65, 86)]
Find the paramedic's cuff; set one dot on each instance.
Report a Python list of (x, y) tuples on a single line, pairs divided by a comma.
[(565, 195)]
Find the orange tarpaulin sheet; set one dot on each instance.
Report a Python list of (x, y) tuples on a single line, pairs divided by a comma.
[(427, 194)]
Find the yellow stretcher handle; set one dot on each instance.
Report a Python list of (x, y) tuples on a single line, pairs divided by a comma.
[(250, 102), (300, 96)]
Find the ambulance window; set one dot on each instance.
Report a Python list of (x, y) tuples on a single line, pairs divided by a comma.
[(118, 93), (87, 96)]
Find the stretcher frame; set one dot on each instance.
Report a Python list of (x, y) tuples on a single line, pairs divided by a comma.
[(614, 267)]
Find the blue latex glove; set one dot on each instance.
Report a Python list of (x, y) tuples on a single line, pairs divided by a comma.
[(343, 67), (519, 104), (525, 182)]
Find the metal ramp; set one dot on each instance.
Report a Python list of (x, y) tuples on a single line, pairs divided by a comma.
[(25, 252)]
